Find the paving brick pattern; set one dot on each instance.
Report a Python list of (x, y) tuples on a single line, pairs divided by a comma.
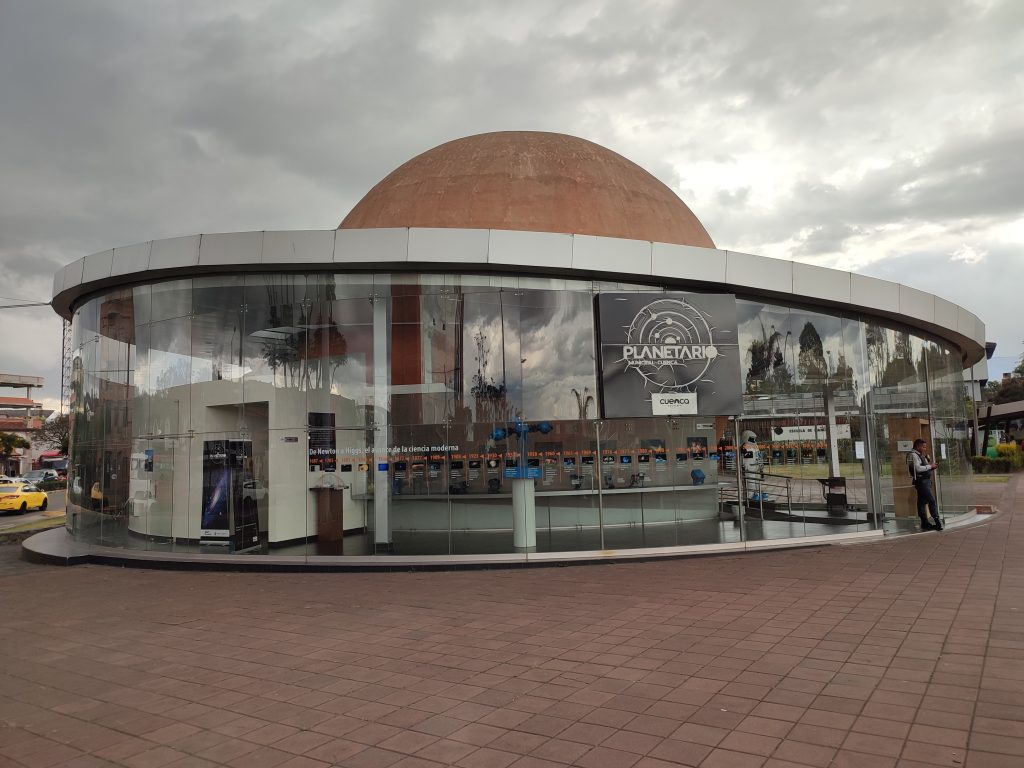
[(908, 652)]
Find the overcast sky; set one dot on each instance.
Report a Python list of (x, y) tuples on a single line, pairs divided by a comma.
[(885, 138)]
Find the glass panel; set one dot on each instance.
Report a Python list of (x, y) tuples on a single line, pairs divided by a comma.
[(159, 491), (420, 512), (660, 482), (800, 403), (492, 376), (168, 374), (217, 353), (899, 405), (556, 345), (568, 513), (167, 300), (854, 376), (950, 430)]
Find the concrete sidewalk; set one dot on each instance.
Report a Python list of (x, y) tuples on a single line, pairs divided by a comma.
[(908, 652)]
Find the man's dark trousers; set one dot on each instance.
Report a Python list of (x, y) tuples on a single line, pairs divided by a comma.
[(926, 497)]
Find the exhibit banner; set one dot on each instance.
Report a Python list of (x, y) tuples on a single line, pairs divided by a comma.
[(215, 519), (668, 354), (229, 516)]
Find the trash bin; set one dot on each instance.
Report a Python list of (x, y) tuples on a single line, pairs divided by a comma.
[(330, 525)]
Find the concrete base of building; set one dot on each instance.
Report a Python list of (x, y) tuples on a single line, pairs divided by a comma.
[(56, 547)]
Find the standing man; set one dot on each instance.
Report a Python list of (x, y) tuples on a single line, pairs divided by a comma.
[(921, 469)]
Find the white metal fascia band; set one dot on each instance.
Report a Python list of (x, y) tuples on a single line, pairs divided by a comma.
[(528, 254)]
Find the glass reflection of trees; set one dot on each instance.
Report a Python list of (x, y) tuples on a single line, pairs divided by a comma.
[(767, 369), (789, 351), (891, 357)]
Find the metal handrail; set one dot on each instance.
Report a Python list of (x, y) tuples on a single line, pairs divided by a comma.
[(778, 481), (780, 486)]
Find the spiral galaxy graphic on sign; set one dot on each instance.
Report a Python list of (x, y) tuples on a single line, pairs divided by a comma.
[(669, 344)]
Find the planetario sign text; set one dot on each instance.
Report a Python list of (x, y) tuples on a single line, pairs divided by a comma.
[(668, 354)]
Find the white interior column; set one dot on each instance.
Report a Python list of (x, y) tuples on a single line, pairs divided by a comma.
[(381, 405), (831, 432), (524, 515)]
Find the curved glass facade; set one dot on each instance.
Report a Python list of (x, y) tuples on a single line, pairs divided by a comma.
[(329, 414)]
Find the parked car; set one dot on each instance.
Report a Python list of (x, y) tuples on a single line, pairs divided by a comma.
[(20, 497), (41, 475)]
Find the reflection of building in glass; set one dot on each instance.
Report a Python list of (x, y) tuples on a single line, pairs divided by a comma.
[(406, 361), (19, 416)]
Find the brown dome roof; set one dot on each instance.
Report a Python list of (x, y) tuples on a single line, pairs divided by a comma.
[(527, 180)]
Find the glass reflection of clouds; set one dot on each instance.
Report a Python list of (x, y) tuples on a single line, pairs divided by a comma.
[(558, 351)]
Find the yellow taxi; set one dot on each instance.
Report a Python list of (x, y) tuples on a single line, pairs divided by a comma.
[(21, 497)]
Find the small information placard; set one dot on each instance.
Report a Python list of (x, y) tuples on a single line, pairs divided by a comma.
[(522, 473), (674, 404)]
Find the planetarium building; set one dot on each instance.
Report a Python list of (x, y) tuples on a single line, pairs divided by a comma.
[(517, 346)]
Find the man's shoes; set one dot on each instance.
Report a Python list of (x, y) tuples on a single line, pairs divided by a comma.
[(927, 527)]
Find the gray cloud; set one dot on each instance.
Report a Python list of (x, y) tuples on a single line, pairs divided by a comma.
[(857, 134)]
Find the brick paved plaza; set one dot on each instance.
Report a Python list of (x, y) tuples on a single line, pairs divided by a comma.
[(908, 652)]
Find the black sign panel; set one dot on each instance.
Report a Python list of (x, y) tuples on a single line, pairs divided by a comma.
[(323, 451), (665, 354)]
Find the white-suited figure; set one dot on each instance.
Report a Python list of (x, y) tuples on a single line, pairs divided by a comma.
[(753, 467)]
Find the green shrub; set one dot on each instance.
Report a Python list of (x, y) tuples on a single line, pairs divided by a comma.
[(985, 465), (1012, 453)]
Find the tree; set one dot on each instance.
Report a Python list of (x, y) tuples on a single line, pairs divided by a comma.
[(55, 433), (583, 401), (900, 367), (811, 358), (843, 374), (491, 397), (1010, 391), (878, 351), (9, 443), (768, 371)]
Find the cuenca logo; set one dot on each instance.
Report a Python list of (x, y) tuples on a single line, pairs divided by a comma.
[(669, 344)]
